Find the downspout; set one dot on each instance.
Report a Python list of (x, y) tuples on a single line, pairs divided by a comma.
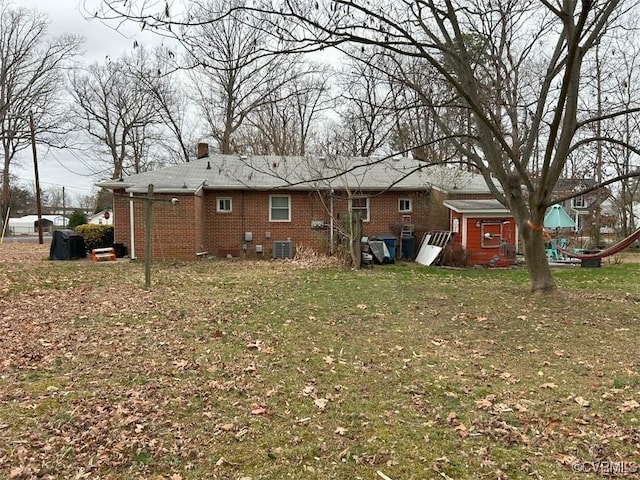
[(331, 221), (132, 240)]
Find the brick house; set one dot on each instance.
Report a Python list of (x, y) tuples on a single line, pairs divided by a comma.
[(266, 206)]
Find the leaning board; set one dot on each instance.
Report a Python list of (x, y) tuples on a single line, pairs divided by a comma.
[(428, 254)]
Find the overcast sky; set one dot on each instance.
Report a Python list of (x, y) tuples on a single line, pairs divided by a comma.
[(57, 168)]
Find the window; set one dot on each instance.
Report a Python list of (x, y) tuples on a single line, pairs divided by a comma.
[(491, 234), (361, 205), (279, 208), (579, 202), (224, 205), (404, 205)]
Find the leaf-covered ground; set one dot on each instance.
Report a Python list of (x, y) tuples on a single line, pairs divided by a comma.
[(272, 370)]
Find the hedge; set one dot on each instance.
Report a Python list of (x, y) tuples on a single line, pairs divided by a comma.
[(96, 236)]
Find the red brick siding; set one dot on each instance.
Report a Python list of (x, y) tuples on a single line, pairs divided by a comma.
[(194, 225), (225, 232), (174, 226)]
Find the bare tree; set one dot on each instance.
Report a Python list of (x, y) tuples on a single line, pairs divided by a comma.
[(115, 107), (514, 69), (31, 80), (365, 106), (527, 87), (233, 74), (622, 88), (285, 125), (160, 76)]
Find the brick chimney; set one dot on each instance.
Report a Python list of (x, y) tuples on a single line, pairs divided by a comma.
[(203, 150)]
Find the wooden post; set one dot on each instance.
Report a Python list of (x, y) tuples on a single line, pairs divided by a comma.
[(147, 238), (37, 178), (356, 237)]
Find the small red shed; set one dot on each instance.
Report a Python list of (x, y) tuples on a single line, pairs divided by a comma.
[(486, 229)]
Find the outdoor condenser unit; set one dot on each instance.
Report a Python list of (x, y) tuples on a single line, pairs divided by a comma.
[(283, 249)]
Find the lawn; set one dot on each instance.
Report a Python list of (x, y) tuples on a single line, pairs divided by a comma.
[(274, 370)]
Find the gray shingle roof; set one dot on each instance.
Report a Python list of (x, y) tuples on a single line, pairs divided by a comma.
[(225, 172), (476, 206)]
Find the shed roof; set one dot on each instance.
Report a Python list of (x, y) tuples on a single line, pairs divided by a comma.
[(488, 206), (228, 172)]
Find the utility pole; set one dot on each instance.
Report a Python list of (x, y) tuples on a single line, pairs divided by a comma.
[(64, 210), (37, 177)]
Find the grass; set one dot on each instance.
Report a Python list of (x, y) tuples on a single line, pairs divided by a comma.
[(264, 370)]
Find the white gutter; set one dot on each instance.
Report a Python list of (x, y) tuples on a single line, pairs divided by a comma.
[(331, 221), (132, 254)]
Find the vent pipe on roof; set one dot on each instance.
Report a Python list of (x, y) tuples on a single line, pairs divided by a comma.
[(208, 165)]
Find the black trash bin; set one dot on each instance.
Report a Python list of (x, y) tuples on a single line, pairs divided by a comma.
[(591, 262), (120, 250), (408, 247)]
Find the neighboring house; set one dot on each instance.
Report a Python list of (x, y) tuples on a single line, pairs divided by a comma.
[(486, 229), (28, 224), (583, 207), (103, 217), (266, 206)]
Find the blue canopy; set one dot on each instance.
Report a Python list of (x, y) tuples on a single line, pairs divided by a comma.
[(556, 217)]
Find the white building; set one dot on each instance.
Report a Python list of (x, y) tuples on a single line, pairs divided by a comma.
[(28, 224)]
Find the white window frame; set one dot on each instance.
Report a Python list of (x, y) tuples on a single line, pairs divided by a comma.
[(366, 209), (409, 202), (271, 208), (223, 210), (579, 202)]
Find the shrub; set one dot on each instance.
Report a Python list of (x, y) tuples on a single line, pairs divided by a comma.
[(96, 236), (455, 255), (77, 218)]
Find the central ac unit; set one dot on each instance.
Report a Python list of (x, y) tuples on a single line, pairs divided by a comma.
[(283, 249)]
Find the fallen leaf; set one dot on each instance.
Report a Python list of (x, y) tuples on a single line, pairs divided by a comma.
[(581, 401), (328, 360), (549, 386), (452, 417), (484, 404), (551, 425), (340, 431), (629, 406), (321, 403), (258, 409), (462, 431)]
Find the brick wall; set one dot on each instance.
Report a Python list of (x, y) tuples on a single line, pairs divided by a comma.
[(173, 230), (225, 231), (195, 224)]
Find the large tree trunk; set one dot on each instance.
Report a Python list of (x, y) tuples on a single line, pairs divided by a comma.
[(535, 256)]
